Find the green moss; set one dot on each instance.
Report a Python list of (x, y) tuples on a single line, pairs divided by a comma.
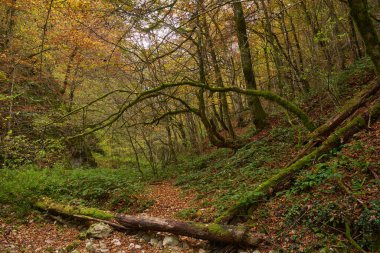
[(3, 77), (49, 205), (218, 229), (266, 187), (213, 228)]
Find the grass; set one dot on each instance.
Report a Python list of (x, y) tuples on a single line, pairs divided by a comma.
[(100, 187)]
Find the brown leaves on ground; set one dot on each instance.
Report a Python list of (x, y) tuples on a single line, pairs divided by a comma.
[(50, 236), (168, 200)]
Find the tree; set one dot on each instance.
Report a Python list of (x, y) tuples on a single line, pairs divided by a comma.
[(258, 114)]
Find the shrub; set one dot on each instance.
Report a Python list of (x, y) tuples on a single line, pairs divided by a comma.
[(110, 188)]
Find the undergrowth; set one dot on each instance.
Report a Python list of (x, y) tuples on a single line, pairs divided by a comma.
[(222, 178), (332, 194), (100, 187)]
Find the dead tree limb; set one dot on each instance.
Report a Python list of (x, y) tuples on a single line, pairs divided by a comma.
[(285, 175), (212, 232)]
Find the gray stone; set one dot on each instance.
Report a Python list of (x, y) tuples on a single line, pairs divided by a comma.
[(146, 237), (90, 246), (102, 251), (116, 242), (138, 246), (102, 245), (153, 241), (99, 230), (170, 241), (131, 246)]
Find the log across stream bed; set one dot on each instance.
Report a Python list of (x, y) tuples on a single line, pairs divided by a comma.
[(239, 235)]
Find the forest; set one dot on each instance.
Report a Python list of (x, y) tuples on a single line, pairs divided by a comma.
[(223, 126)]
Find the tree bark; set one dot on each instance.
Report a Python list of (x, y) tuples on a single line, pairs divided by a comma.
[(257, 111), (359, 13), (225, 116), (211, 232), (10, 23), (285, 175)]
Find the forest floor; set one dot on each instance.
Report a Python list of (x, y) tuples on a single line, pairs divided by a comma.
[(308, 217), (40, 235)]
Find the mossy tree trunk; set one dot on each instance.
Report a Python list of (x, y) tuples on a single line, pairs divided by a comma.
[(330, 134), (257, 111), (359, 13), (211, 232), (285, 175)]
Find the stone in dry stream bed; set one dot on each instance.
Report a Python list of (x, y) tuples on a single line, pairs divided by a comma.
[(54, 237)]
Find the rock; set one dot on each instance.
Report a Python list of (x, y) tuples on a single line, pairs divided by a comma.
[(153, 241), (138, 246), (131, 246), (90, 246), (99, 230), (121, 251), (170, 241), (202, 251), (256, 251), (102, 251), (146, 237), (160, 245), (102, 245), (116, 242)]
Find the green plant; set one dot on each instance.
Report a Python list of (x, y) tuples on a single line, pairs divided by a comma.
[(311, 179), (187, 214), (99, 187)]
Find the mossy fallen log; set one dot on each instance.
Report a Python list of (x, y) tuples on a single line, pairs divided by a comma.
[(213, 232), (284, 176), (365, 96), (52, 206)]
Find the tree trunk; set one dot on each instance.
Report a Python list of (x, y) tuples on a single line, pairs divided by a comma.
[(285, 175), (257, 111), (359, 13), (211, 232), (10, 23), (225, 116)]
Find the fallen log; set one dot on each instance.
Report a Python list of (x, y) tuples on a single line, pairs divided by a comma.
[(212, 232), (286, 174), (79, 212), (358, 101), (225, 234), (322, 132)]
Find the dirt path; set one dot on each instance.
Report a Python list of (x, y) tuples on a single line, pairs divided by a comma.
[(169, 199), (54, 237)]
